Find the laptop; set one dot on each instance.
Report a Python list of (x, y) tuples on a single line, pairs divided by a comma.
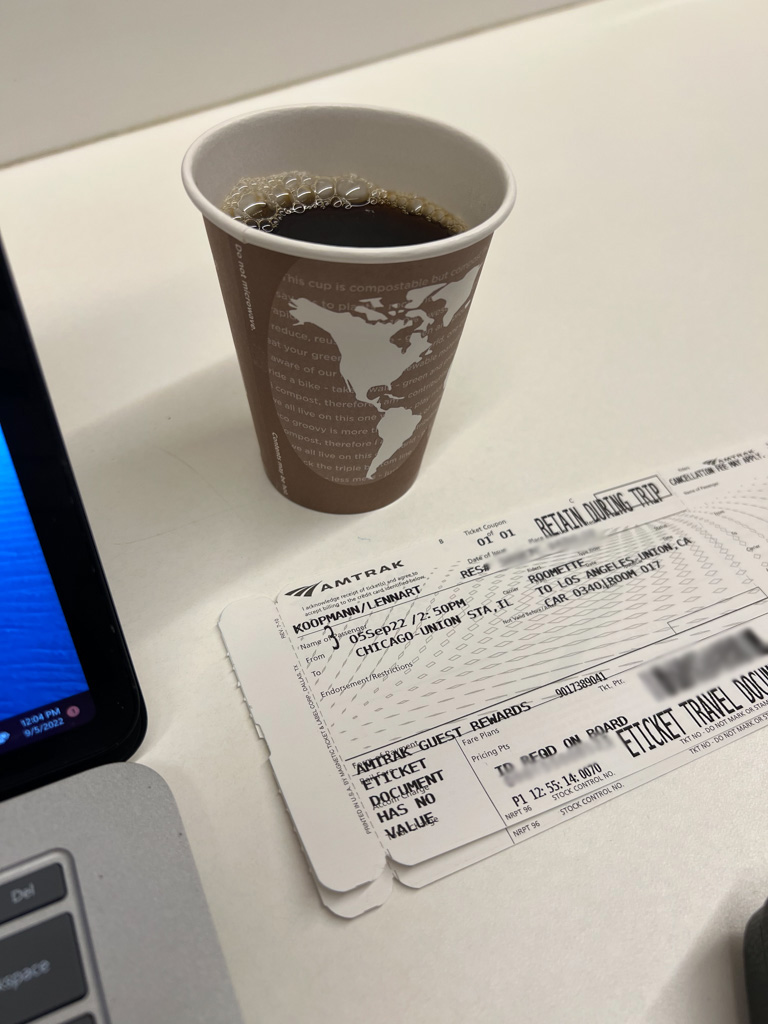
[(103, 919)]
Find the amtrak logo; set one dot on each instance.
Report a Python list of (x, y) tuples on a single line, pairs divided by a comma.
[(354, 577), (303, 591)]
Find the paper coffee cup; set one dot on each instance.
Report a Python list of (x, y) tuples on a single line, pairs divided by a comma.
[(344, 351)]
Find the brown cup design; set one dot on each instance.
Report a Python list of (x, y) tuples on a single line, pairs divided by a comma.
[(344, 364)]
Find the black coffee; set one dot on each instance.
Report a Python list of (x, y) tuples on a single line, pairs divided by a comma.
[(369, 226), (346, 210)]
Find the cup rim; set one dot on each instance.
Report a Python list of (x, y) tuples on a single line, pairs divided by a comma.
[(338, 253)]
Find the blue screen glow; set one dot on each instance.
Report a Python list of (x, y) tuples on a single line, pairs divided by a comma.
[(38, 662)]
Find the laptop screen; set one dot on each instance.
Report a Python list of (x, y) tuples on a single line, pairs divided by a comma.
[(42, 686), (69, 698)]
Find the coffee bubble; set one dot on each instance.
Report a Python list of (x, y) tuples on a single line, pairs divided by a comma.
[(263, 202)]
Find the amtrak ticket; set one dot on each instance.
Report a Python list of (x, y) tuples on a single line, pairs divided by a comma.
[(508, 677)]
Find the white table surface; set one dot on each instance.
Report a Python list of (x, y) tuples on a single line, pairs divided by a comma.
[(620, 322)]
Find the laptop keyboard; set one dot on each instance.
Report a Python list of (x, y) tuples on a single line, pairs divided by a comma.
[(47, 971)]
